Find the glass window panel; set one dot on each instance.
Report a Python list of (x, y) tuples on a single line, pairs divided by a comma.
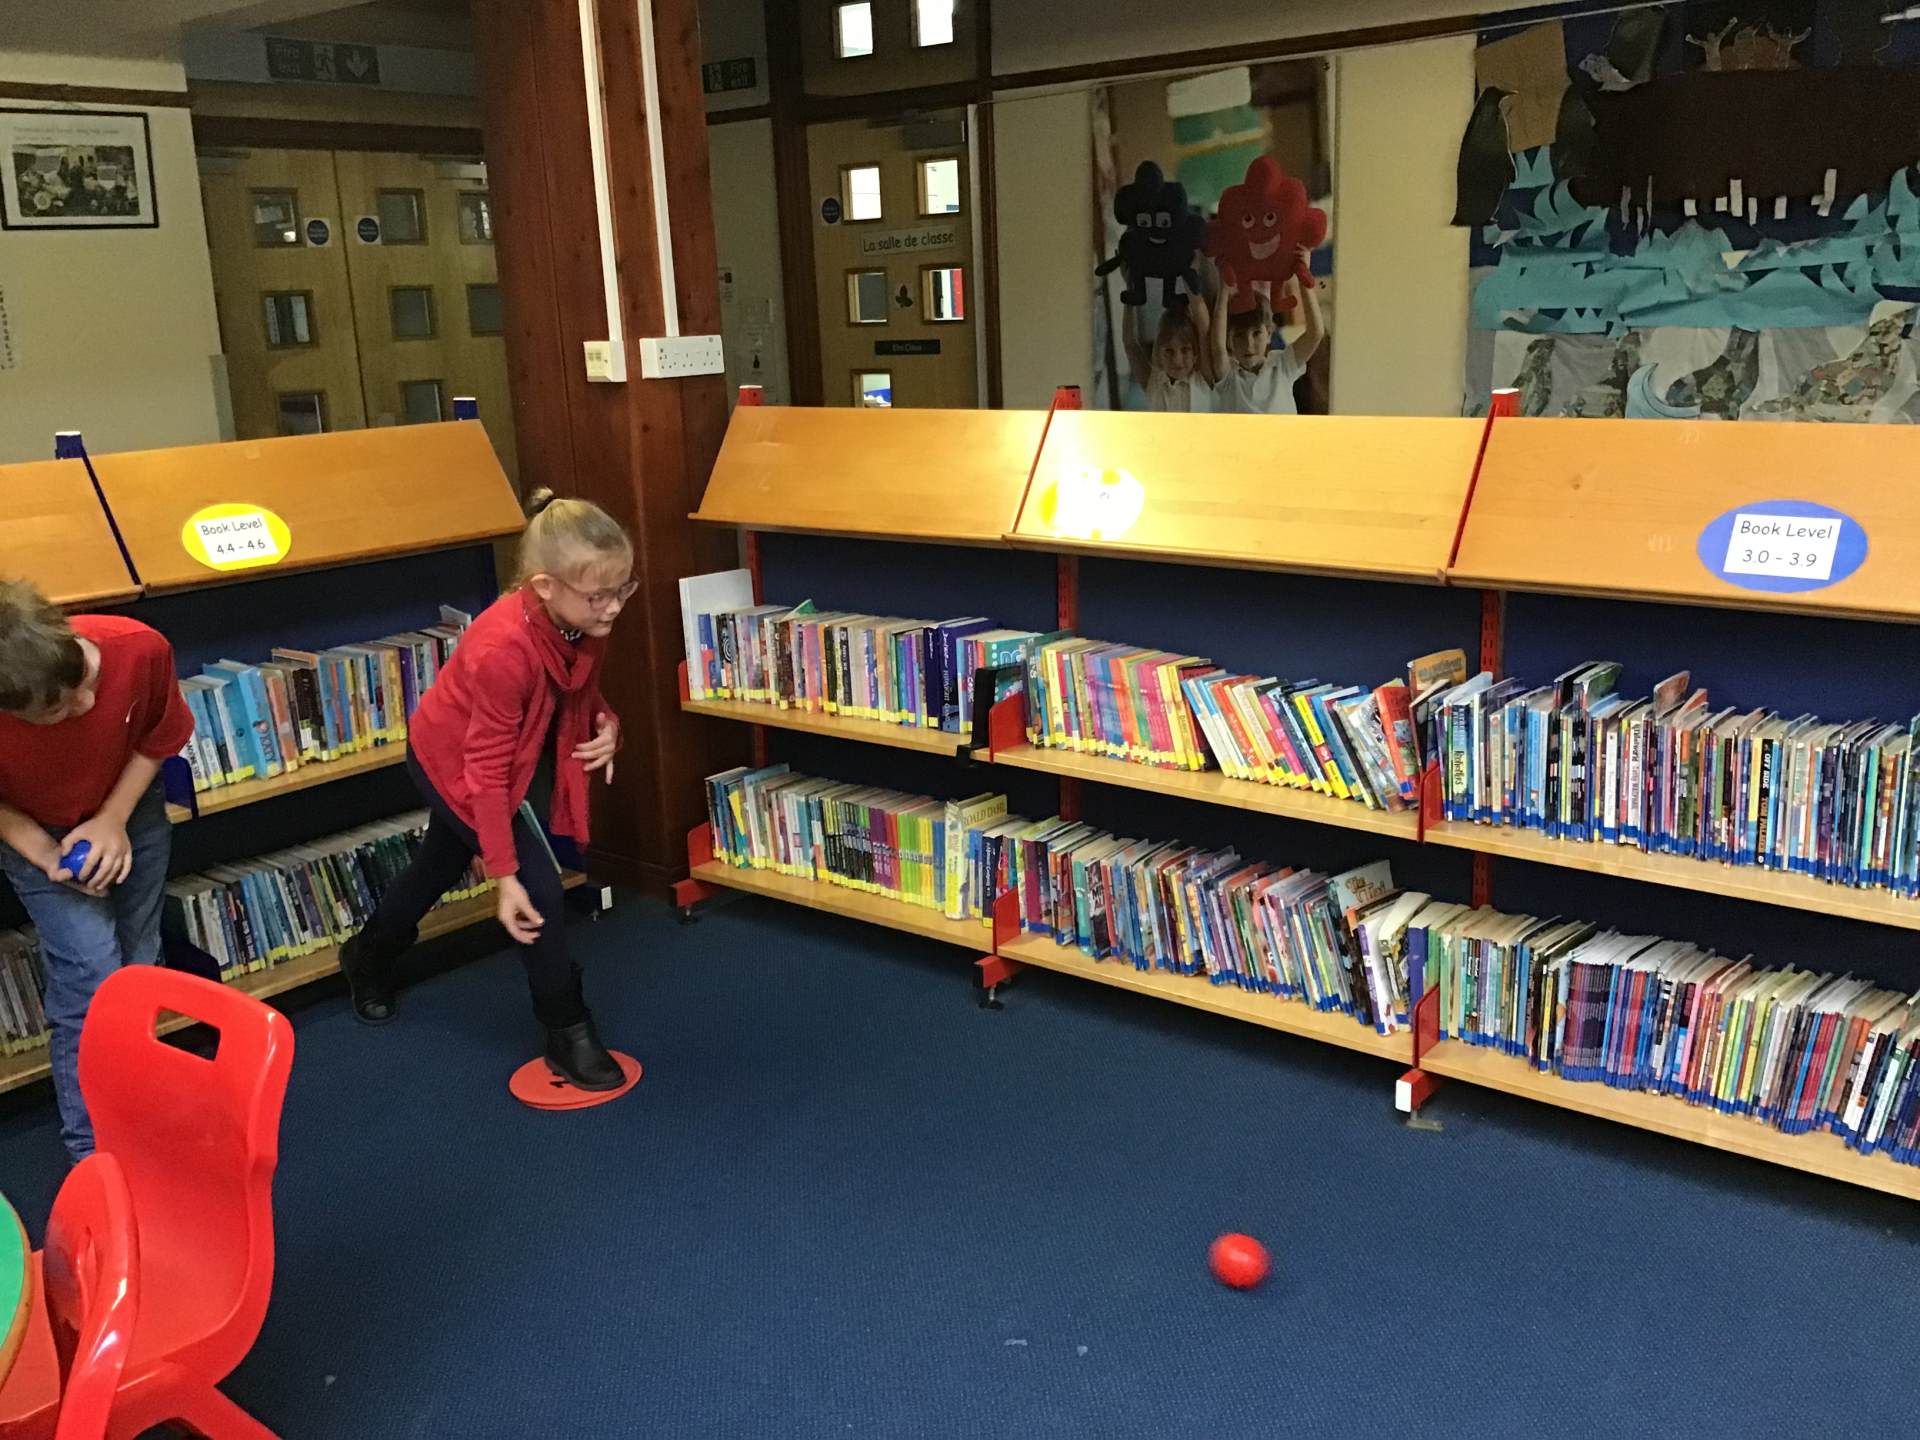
[(932, 22), (940, 186), (303, 412), (403, 217), (289, 318), (420, 402), (853, 30), (476, 218), (411, 307), (276, 217), (483, 310), (860, 192), (943, 294), (867, 297)]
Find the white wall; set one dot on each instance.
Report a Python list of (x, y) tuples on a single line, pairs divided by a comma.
[(113, 332), (1399, 337), (746, 227), (1042, 157)]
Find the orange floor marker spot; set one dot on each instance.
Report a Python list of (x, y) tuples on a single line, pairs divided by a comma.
[(537, 1087)]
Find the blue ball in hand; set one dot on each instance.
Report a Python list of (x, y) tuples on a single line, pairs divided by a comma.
[(76, 857)]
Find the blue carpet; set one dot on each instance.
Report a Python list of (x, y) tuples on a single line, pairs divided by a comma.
[(845, 1200)]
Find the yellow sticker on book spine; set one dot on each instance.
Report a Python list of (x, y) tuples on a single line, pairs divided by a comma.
[(236, 537)]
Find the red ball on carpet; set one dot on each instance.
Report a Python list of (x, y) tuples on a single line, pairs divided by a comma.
[(1238, 1260)]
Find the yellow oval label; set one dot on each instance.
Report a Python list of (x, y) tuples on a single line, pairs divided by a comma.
[(236, 537), (1092, 504)]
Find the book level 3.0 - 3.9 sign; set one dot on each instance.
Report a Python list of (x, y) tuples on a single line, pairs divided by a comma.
[(1783, 546)]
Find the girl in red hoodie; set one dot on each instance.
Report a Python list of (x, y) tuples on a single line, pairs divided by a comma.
[(516, 716)]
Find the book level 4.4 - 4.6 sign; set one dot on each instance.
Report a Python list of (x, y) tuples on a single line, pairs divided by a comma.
[(236, 537), (1783, 546)]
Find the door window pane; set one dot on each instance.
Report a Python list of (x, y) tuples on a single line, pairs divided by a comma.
[(940, 186), (303, 412), (867, 297), (853, 30), (860, 192), (943, 294), (932, 22), (411, 307), (420, 402), (476, 218), (873, 389), (289, 316), (276, 217), (403, 217), (483, 310)]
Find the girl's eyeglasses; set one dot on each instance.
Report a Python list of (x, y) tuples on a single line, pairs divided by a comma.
[(601, 599)]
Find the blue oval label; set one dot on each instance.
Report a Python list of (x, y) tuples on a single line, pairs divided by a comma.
[(1783, 546)]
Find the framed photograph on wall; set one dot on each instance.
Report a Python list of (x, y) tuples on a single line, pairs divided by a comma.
[(76, 170)]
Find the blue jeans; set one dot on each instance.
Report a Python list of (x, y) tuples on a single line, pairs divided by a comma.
[(85, 938)]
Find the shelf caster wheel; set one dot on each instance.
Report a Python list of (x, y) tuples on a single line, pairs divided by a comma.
[(686, 915), (990, 999)]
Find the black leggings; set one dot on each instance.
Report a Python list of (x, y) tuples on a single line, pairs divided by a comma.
[(445, 853)]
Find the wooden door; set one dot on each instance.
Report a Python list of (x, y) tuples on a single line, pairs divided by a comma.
[(285, 307), (426, 293), (893, 254)]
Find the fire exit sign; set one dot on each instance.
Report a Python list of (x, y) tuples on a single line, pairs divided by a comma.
[(322, 61), (717, 77)]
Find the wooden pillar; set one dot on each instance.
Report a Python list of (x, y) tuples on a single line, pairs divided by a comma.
[(643, 448)]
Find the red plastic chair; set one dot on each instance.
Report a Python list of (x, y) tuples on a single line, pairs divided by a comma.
[(88, 1279), (199, 1140)]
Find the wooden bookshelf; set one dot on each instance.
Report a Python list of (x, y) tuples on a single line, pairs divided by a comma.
[(1292, 1016), (1818, 1152), (1738, 882), (1615, 508), (1364, 497), (855, 904), (54, 533), (347, 496), (24, 1069), (310, 774), (952, 476), (1209, 787), (844, 727)]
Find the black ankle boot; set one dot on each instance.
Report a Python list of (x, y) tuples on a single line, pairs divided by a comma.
[(368, 984), (574, 1053)]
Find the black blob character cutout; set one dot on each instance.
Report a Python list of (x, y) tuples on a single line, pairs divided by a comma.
[(1161, 238)]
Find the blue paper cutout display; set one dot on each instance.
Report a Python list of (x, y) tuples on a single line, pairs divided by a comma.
[(1849, 546), (1572, 269)]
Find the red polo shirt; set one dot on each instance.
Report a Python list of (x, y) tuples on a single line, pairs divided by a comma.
[(61, 774)]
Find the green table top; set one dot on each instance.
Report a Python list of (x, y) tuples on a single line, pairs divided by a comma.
[(13, 1285)]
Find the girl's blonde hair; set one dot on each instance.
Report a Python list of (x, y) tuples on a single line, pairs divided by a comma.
[(567, 537)]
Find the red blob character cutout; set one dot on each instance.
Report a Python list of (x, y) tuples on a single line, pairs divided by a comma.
[(1261, 227)]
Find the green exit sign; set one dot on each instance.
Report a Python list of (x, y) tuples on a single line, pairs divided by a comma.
[(322, 62), (717, 77)]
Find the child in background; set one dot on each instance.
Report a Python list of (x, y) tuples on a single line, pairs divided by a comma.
[(516, 714), (89, 707), (1256, 379), (1173, 372)]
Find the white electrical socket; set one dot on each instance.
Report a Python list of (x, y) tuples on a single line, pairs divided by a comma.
[(676, 357), (606, 361)]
